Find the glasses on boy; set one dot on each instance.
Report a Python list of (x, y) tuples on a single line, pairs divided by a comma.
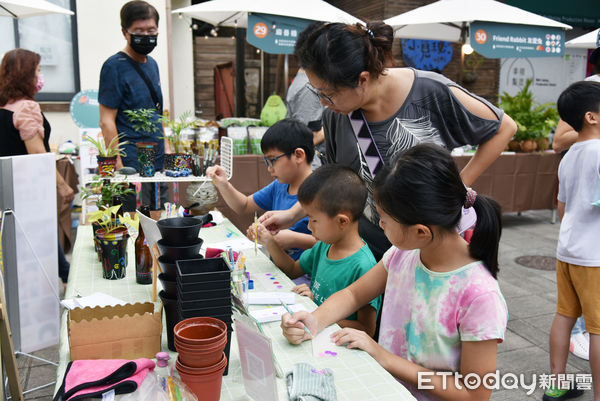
[(270, 162)]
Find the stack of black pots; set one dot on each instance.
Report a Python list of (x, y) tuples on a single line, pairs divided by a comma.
[(179, 241), (204, 290)]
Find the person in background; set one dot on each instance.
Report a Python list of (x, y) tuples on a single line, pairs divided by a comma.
[(375, 112), (443, 309), (23, 127), (130, 80), (577, 253), (288, 151), (334, 198), (564, 134)]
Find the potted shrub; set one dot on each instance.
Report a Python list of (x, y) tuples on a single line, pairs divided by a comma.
[(144, 122), (179, 162), (534, 121), (107, 155)]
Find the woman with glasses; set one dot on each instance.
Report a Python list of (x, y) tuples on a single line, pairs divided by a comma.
[(374, 112)]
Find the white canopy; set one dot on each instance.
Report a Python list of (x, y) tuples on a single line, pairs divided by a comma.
[(235, 12), (30, 8), (444, 19), (587, 41)]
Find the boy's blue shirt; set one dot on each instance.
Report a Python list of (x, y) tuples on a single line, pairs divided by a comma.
[(330, 276), (275, 196)]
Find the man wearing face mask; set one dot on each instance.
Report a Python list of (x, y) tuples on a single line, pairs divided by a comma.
[(130, 80)]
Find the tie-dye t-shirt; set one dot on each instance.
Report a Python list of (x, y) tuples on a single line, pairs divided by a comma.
[(426, 314)]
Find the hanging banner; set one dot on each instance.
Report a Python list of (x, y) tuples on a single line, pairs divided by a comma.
[(426, 54), (274, 34), (494, 40)]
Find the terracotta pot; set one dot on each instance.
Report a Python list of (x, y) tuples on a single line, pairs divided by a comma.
[(146, 154), (203, 348), (528, 146), (106, 165), (514, 145), (206, 386), (96, 227), (543, 144), (182, 367), (200, 359), (200, 330)]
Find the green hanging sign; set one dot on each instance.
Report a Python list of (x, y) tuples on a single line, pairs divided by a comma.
[(274, 34), (495, 40)]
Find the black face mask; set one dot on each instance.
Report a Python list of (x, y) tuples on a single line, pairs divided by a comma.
[(143, 44)]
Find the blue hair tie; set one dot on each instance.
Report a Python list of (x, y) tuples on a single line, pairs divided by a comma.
[(370, 32)]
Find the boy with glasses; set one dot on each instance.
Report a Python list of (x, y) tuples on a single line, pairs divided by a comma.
[(288, 152), (130, 80)]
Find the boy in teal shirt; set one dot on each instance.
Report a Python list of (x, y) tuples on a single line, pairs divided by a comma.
[(334, 197)]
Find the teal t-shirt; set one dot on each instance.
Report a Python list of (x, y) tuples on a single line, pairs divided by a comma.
[(330, 276)]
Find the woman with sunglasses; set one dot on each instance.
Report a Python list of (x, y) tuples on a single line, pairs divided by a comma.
[(374, 112)]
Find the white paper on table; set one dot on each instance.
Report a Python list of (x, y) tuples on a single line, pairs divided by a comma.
[(274, 314), (150, 229), (217, 216), (96, 299), (235, 244), (322, 344), (271, 298)]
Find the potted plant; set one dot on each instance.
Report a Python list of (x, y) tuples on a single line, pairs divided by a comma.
[(534, 121), (179, 162), (103, 190), (112, 238), (144, 121), (107, 155), (471, 65)]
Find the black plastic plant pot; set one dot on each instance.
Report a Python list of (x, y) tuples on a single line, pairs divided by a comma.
[(227, 348), (201, 270), (171, 317), (182, 230), (225, 291), (169, 286), (169, 269), (171, 253), (204, 303)]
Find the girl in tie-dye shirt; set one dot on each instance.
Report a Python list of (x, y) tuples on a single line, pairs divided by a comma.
[(443, 310)]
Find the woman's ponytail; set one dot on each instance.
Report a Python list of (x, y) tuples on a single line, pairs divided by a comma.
[(486, 236)]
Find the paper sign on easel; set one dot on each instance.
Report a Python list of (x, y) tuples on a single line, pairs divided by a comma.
[(258, 368)]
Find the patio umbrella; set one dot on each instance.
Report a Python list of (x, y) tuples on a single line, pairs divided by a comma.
[(30, 8), (234, 13), (587, 41), (449, 20)]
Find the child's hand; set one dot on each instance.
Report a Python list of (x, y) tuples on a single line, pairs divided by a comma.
[(263, 237), (218, 175), (293, 326), (355, 339), (304, 290)]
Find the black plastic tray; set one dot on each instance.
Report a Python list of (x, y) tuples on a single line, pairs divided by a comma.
[(204, 303), (224, 291), (218, 312), (202, 270)]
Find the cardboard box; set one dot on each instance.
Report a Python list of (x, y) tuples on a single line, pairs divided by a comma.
[(127, 331)]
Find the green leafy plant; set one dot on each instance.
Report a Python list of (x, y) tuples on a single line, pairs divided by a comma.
[(107, 219), (472, 63), (534, 121), (114, 148), (176, 126), (143, 120), (105, 190)]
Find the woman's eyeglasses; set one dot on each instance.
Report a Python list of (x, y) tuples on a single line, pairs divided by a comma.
[(270, 162), (319, 94)]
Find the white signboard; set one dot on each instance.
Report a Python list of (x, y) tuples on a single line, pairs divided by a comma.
[(550, 75)]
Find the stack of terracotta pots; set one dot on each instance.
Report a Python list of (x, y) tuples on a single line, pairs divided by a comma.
[(200, 343)]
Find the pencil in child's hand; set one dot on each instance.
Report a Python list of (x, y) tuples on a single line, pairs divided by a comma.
[(255, 234), (291, 313)]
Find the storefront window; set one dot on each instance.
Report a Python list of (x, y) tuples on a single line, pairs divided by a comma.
[(54, 37)]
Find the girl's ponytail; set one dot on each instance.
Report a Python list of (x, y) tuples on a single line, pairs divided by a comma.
[(486, 236)]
